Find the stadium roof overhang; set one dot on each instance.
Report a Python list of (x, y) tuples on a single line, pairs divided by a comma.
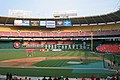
[(111, 17)]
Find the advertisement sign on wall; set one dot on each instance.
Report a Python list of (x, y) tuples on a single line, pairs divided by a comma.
[(42, 23), (34, 23), (59, 23), (21, 23), (67, 23), (50, 24)]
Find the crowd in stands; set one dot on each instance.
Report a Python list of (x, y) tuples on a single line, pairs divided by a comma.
[(9, 76)]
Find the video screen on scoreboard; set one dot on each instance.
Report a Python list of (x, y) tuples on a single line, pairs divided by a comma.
[(21, 22), (34, 23), (50, 24)]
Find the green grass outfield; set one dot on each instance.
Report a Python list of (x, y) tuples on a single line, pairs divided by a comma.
[(59, 63), (8, 54), (40, 72)]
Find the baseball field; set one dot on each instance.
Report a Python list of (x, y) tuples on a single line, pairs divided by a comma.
[(68, 63)]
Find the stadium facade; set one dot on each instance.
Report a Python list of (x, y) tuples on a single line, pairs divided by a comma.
[(89, 33)]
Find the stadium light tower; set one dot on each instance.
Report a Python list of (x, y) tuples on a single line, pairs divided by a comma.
[(19, 13), (119, 7), (64, 14)]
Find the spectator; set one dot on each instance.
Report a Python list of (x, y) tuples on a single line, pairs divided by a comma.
[(25, 78), (29, 79), (10, 76), (113, 77), (66, 78), (117, 71), (61, 78), (55, 78), (108, 77), (50, 78), (97, 78), (92, 77), (15, 77), (44, 78), (20, 78), (83, 78), (7, 76)]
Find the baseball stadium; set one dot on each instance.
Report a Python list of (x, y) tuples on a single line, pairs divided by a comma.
[(66, 46)]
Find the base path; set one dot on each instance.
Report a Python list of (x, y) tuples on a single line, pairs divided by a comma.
[(24, 62)]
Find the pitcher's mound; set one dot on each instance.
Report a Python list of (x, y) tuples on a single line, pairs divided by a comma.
[(73, 62)]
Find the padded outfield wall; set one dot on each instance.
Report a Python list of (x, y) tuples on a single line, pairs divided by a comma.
[(67, 44)]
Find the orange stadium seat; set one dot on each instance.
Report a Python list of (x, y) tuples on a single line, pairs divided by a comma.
[(86, 28), (96, 28), (106, 27), (116, 27)]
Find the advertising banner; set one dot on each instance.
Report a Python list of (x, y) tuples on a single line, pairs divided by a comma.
[(50, 24), (21, 23), (42, 23), (59, 23), (67, 23), (25, 23), (18, 22), (34, 23)]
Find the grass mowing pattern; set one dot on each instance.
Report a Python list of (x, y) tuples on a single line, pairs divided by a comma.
[(59, 63), (11, 54), (38, 72), (17, 54)]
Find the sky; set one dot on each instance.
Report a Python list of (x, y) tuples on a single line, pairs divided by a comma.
[(45, 8)]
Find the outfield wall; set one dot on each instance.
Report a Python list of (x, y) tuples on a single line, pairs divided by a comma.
[(65, 45)]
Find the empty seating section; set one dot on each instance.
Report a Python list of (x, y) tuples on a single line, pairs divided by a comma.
[(113, 48), (61, 34), (36, 34), (15, 34), (58, 34), (68, 34), (70, 29), (55, 34), (86, 28), (22, 34), (1, 33), (43, 34), (49, 34), (7, 34), (75, 33), (103, 33), (116, 27), (96, 28), (4, 28), (110, 29)]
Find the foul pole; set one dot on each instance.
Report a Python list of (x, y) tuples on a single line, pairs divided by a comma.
[(91, 41)]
